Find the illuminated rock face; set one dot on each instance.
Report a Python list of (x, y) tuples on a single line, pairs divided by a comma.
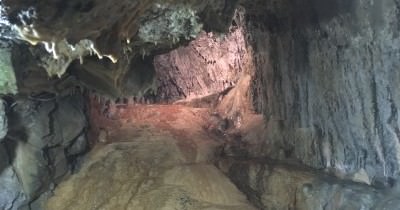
[(208, 65)]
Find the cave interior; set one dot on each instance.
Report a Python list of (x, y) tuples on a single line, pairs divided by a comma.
[(199, 105)]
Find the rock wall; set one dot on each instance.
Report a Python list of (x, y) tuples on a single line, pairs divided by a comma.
[(210, 64), (329, 75), (276, 185), (45, 137)]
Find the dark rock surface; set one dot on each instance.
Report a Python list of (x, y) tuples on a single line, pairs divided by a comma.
[(329, 82), (11, 194), (272, 185), (3, 120), (32, 156)]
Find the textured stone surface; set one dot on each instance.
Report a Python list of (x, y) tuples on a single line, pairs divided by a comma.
[(273, 185), (11, 193), (326, 81), (33, 157), (3, 120), (7, 76), (167, 154), (208, 65), (78, 20), (330, 82), (155, 157), (132, 34)]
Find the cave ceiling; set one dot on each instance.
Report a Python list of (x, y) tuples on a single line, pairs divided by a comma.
[(103, 40)]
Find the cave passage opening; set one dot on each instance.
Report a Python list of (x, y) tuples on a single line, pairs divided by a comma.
[(213, 72), (174, 140)]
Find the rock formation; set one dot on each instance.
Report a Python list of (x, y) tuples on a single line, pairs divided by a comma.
[(121, 32), (329, 80), (276, 104), (43, 142)]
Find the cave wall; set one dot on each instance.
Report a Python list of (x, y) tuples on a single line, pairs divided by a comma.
[(283, 185), (210, 64), (46, 137), (328, 82)]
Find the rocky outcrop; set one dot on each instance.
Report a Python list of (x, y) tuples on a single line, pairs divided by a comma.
[(329, 82), (43, 142)]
